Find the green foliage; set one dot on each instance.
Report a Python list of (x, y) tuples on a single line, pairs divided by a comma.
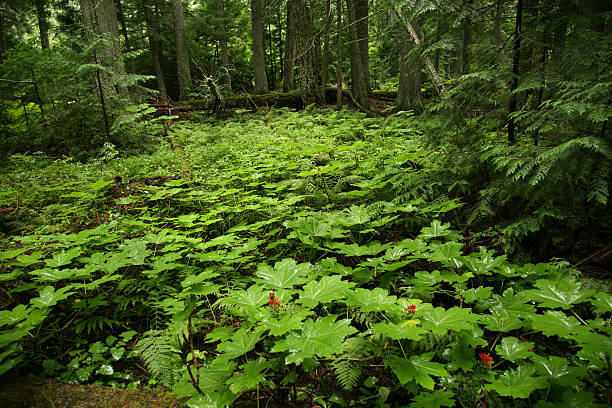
[(254, 276)]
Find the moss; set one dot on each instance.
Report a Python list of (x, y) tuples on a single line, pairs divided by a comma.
[(32, 392)]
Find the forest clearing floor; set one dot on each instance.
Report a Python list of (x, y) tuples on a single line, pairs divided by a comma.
[(32, 392)]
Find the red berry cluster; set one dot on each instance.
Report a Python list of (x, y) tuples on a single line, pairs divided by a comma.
[(486, 359), (273, 301), (411, 309)]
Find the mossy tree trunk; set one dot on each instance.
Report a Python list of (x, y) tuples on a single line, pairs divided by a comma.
[(182, 52), (259, 61)]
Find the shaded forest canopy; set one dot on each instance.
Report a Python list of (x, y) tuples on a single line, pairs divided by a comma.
[(306, 203)]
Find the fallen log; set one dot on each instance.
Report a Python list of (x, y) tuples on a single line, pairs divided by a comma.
[(291, 100)]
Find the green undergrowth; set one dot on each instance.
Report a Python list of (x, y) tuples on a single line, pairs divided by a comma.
[(307, 259)]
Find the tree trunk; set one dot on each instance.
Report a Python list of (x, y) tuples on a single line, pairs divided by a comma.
[(358, 85), (121, 19), (289, 68), (259, 61), (305, 51), (433, 73), (100, 17), (227, 79), (182, 52), (325, 57), (409, 89), (515, 70), (272, 82), (43, 23), (361, 16), (3, 41), (339, 78), (155, 47), (499, 16)]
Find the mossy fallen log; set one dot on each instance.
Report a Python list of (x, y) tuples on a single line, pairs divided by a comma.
[(291, 100)]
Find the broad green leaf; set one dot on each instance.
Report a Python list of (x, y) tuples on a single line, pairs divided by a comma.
[(325, 290), (418, 368), (16, 315), (483, 263), (554, 323), (321, 338), (603, 301), (370, 300), (105, 369), (517, 383), (285, 274), (135, 251), (63, 257), (400, 331), (439, 320), (446, 252), (250, 299), (241, 343), (435, 399), (252, 374), (199, 278), (501, 319), (31, 259), (12, 253), (372, 248), (435, 230), (557, 371), (512, 349), (49, 296), (287, 322), (561, 293), (54, 275), (354, 216), (117, 353)]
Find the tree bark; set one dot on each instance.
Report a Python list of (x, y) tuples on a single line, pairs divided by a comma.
[(227, 79), (409, 89), (433, 73), (100, 17), (155, 47), (339, 78), (289, 68), (515, 70), (358, 85), (121, 19), (3, 41), (325, 57), (259, 61), (182, 52), (305, 52), (361, 16), (43, 23)]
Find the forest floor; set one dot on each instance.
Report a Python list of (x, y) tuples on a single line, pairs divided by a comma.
[(32, 392)]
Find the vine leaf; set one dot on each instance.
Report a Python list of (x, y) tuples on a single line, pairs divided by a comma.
[(418, 368), (518, 383), (511, 349), (322, 338)]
